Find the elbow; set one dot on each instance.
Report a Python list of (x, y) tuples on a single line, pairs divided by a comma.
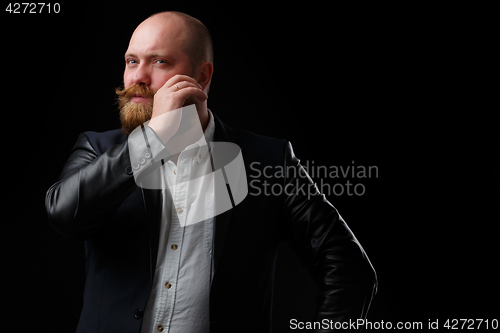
[(60, 210), (370, 277), (373, 280)]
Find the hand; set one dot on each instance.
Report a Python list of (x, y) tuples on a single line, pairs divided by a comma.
[(174, 126), (174, 93)]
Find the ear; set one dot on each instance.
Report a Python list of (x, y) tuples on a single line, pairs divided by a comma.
[(205, 75)]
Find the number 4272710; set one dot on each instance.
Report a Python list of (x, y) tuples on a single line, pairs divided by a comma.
[(32, 8)]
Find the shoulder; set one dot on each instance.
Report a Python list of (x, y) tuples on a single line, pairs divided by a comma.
[(103, 141), (224, 132), (254, 147), (258, 141)]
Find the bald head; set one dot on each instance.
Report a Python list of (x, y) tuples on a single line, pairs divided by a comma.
[(192, 35)]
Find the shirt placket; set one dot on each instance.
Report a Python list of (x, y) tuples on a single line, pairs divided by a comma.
[(179, 178)]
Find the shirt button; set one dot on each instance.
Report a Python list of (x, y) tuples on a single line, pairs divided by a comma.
[(174, 247), (175, 172), (159, 328), (168, 285), (179, 210), (138, 314)]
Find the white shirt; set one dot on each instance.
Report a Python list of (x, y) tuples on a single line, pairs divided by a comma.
[(179, 299)]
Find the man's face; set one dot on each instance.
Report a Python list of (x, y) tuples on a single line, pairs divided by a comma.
[(155, 54)]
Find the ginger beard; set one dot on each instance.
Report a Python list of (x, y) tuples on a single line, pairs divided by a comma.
[(134, 114)]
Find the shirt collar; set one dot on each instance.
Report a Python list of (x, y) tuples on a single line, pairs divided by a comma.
[(203, 142), (209, 131)]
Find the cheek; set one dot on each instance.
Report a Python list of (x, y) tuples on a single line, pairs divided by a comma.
[(127, 79), (159, 79)]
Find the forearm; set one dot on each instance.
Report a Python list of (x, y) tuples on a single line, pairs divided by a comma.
[(90, 189), (346, 280), (318, 234)]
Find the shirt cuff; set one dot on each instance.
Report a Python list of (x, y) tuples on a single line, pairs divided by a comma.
[(147, 154)]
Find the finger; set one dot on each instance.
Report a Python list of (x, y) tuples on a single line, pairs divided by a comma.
[(195, 92), (183, 84), (179, 78)]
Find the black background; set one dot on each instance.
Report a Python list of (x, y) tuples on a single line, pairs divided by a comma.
[(365, 84)]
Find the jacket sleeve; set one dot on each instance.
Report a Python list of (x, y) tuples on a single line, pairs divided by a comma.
[(317, 233), (90, 189)]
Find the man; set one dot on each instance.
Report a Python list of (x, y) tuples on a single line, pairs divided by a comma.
[(152, 264)]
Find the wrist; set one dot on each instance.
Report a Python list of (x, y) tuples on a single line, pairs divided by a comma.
[(166, 125)]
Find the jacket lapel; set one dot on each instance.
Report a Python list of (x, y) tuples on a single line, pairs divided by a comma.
[(222, 133), (221, 225), (153, 204)]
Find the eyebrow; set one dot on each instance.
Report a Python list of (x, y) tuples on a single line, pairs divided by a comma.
[(152, 55)]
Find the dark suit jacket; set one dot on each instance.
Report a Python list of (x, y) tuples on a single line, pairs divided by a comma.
[(97, 200)]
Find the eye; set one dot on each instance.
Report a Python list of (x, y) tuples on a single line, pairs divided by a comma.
[(160, 61), (131, 62)]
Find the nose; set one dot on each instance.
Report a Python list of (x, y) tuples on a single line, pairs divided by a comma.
[(142, 76)]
